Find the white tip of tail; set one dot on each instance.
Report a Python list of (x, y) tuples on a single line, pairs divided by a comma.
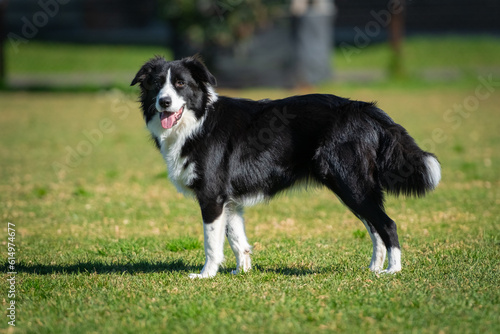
[(433, 171)]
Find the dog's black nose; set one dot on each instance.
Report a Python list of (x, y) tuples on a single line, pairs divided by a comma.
[(165, 102)]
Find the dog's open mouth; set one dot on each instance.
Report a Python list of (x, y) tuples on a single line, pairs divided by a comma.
[(169, 119)]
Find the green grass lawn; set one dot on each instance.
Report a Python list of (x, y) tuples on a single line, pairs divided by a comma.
[(45, 57), (466, 53), (104, 243), (454, 60), (422, 52)]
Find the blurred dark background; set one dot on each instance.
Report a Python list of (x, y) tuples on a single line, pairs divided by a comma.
[(143, 22), (276, 43)]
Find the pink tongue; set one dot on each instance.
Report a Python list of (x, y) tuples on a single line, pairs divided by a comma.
[(167, 119)]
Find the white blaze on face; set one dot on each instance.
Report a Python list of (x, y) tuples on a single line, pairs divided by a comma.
[(171, 114)]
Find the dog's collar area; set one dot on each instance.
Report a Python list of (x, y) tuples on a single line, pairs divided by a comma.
[(169, 119)]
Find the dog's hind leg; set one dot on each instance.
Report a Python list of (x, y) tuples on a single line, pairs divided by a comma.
[(235, 232), (214, 228), (384, 235), (382, 230), (379, 250), (354, 184)]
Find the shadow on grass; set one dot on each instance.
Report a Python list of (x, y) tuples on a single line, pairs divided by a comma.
[(293, 271), (149, 267), (105, 268)]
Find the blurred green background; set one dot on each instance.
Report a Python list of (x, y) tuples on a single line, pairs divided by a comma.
[(104, 243), (90, 44)]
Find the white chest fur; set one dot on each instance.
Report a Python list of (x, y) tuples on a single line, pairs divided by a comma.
[(181, 172)]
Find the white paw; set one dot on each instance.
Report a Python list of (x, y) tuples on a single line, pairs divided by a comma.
[(375, 269), (195, 276), (390, 271), (246, 267), (246, 263)]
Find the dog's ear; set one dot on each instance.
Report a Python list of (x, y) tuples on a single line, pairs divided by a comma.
[(147, 69), (142, 74), (199, 70)]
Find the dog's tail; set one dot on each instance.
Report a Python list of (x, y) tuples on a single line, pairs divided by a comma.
[(403, 168)]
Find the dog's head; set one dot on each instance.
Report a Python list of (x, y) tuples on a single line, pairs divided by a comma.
[(169, 89)]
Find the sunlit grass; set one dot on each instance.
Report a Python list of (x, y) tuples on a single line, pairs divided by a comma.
[(105, 242), (422, 52)]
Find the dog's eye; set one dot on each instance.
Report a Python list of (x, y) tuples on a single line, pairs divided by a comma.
[(180, 83)]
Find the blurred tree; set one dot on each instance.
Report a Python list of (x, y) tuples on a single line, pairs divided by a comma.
[(203, 25), (272, 43), (396, 34)]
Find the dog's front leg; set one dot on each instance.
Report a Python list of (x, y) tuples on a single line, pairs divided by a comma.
[(214, 228), (238, 240)]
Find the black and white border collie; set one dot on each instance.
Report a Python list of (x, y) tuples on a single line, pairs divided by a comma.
[(230, 153)]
